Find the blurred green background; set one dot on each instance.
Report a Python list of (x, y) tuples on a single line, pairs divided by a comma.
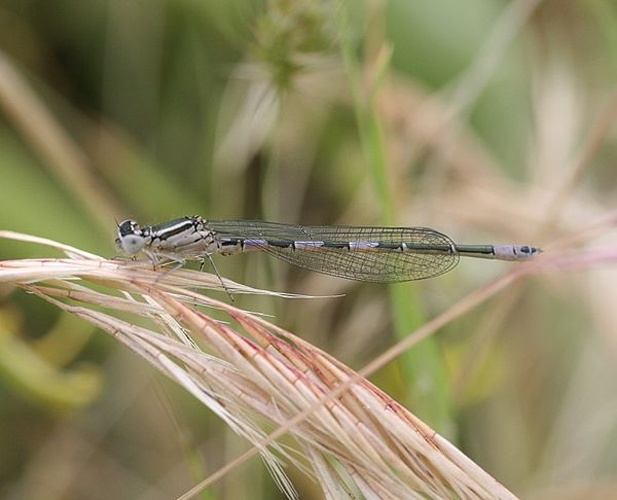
[(489, 120)]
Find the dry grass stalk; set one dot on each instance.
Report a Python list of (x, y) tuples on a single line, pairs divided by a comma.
[(351, 436)]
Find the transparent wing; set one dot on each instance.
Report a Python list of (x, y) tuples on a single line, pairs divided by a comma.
[(373, 254)]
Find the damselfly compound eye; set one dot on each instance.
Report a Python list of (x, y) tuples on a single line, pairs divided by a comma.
[(131, 238)]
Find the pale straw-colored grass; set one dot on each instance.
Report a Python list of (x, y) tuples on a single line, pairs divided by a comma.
[(353, 438)]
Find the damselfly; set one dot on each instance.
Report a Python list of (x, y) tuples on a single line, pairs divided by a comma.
[(363, 253)]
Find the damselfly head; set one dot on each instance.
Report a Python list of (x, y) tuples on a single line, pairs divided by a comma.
[(131, 238)]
